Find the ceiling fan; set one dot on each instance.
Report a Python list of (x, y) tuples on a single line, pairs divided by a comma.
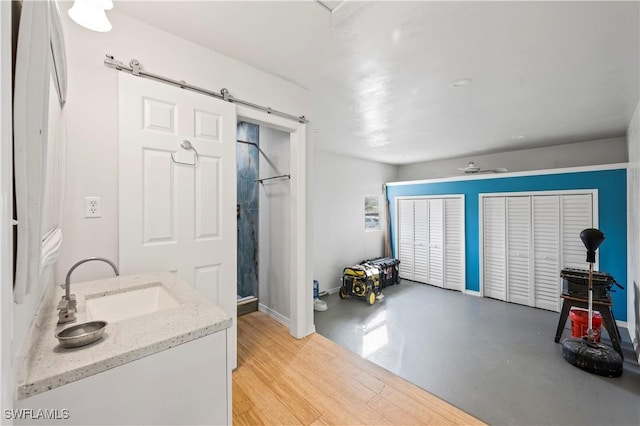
[(473, 168)]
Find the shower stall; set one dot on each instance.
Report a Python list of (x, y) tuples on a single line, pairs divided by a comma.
[(247, 156)]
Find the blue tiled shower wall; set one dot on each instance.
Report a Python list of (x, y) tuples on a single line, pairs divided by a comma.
[(247, 165), (612, 215)]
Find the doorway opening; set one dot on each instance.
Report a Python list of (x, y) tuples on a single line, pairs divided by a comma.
[(263, 216), (300, 271)]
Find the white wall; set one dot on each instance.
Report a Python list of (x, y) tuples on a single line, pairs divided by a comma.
[(274, 220), (590, 153), (6, 208), (633, 231), (93, 126), (339, 186), (23, 313)]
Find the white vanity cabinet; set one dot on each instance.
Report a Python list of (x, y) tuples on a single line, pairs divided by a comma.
[(187, 384), (165, 367)]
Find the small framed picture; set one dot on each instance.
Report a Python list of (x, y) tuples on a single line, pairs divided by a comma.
[(371, 212)]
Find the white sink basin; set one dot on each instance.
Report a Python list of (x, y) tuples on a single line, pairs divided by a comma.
[(129, 303)]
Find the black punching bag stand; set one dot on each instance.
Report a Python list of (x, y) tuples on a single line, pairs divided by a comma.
[(585, 352)]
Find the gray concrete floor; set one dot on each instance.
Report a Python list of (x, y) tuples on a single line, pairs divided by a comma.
[(492, 359)]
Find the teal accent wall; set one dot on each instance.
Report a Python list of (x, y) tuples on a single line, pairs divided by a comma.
[(612, 215)]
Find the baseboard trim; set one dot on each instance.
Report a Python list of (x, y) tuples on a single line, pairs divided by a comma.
[(472, 293), (622, 324), (247, 306), (273, 314), (333, 290)]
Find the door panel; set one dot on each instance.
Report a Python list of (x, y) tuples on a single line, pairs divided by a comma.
[(546, 241), (518, 241), (421, 241), (207, 281), (436, 243), (494, 247), (577, 214), (159, 116), (207, 126), (158, 200), (208, 201), (172, 216), (454, 244), (405, 238)]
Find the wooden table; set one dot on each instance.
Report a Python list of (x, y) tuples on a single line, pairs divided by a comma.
[(604, 307)]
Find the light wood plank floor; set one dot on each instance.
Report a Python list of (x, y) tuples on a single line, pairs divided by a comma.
[(313, 381)]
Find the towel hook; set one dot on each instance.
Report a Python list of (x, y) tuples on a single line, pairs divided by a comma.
[(187, 145)]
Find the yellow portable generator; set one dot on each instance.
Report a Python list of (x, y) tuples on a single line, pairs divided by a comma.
[(361, 281)]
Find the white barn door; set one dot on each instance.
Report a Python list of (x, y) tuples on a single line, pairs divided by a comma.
[(177, 217)]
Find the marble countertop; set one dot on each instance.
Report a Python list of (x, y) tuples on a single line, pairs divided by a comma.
[(47, 365)]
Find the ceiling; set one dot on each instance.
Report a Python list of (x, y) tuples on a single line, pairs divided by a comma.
[(381, 73)]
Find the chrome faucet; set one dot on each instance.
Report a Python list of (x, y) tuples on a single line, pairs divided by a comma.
[(67, 305)]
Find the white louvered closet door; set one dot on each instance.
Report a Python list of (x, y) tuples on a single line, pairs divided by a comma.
[(577, 214), (454, 244), (494, 247), (421, 242), (406, 238), (546, 246), (436, 242), (519, 284)]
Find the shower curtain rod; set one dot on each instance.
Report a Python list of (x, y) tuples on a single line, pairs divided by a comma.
[(273, 177), (263, 179), (134, 68)]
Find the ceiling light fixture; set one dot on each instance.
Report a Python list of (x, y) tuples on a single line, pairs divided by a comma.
[(91, 14), (396, 35), (517, 137), (461, 82)]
